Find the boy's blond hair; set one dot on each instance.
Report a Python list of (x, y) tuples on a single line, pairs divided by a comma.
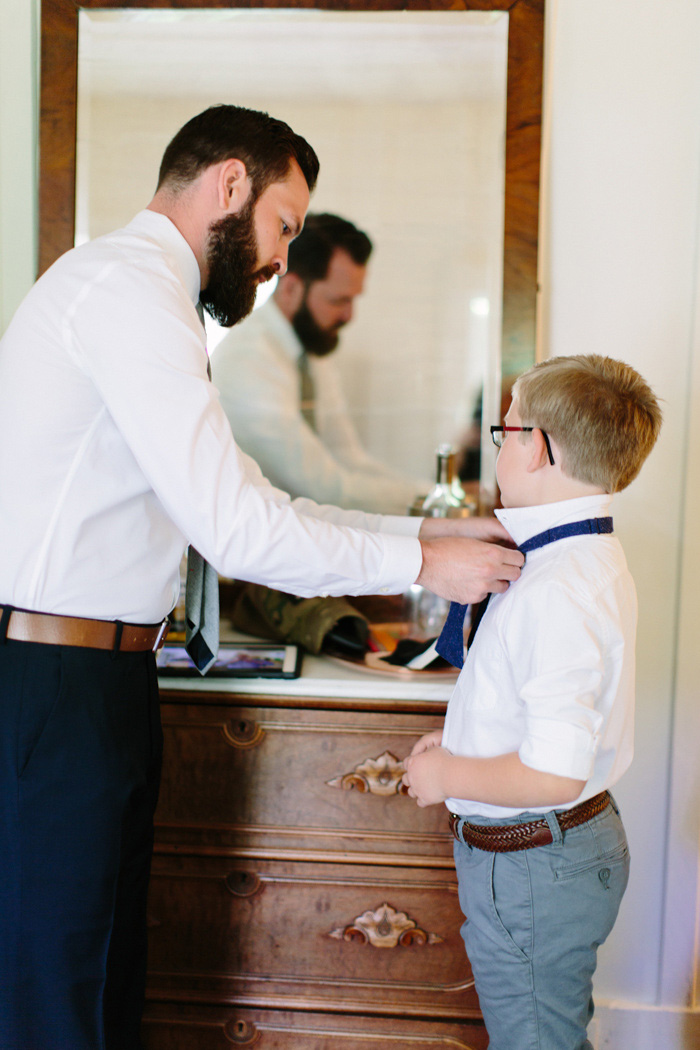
[(602, 415)]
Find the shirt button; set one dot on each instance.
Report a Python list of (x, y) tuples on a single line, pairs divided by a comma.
[(384, 590)]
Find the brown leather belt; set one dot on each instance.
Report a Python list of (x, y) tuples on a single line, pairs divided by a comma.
[(506, 838), (48, 629)]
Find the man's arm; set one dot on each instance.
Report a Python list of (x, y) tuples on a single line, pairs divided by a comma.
[(259, 390), (338, 433), (488, 529), (433, 774), (463, 557)]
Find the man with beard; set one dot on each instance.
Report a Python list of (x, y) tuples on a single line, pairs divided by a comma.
[(114, 453), (280, 386)]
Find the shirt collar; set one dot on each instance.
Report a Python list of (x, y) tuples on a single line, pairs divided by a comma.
[(524, 522), (282, 329), (164, 232)]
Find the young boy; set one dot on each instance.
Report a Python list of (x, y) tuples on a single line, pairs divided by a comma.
[(540, 724)]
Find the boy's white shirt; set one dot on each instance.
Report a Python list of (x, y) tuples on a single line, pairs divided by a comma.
[(550, 673)]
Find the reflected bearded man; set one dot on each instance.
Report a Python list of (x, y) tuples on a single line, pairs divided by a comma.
[(116, 454), (281, 387)]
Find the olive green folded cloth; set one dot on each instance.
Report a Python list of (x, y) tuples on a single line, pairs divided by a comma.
[(310, 622)]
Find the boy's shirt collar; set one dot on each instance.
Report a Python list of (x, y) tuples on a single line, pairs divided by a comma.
[(524, 522)]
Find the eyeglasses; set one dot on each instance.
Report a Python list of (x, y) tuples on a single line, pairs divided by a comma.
[(498, 437)]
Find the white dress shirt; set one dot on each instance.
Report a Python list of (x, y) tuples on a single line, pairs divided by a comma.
[(550, 673), (256, 367), (115, 452)]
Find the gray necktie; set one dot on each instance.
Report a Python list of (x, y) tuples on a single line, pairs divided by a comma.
[(306, 391), (201, 599)]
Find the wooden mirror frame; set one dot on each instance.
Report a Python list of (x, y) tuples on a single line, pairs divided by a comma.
[(57, 132)]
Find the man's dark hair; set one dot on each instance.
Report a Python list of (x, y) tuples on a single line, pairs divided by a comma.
[(310, 253), (265, 145)]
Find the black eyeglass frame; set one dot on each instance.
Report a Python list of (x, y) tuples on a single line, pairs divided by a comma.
[(504, 430)]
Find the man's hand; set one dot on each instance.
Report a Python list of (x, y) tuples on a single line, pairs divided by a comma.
[(466, 570), (424, 774)]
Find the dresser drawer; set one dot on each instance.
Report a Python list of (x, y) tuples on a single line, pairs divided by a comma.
[(174, 1027), (280, 782), (356, 938)]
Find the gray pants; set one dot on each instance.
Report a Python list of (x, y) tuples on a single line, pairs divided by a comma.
[(535, 919)]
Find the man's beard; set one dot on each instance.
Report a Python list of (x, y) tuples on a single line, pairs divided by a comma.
[(232, 255), (315, 340)]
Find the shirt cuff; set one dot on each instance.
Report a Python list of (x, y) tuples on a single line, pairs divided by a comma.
[(400, 525), (571, 754), (403, 560)]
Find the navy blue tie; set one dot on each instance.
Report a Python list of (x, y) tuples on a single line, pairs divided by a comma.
[(450, 644)]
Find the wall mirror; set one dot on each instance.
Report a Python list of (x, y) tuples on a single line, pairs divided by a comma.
[(427, 125)]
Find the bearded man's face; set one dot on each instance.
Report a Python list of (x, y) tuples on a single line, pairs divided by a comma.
[(232, 258), (315, 339), (328, 303)]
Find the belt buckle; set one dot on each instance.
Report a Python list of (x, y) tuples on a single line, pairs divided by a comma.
[(541, 837), (160, 637)]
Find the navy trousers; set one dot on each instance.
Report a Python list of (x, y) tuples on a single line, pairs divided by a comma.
[(80, 758)]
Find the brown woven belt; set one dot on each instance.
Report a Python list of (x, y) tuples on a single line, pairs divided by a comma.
[(48, 629), (506, 838)]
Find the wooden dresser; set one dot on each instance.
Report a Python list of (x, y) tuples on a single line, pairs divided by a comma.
[(299, 901)]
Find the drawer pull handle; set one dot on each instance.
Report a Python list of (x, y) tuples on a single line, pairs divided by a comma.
[(240, 1032), (378, 776), (243, 883), (385, 928), (241, 732)]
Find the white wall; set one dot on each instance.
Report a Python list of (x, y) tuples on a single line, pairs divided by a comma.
[(619, 278)]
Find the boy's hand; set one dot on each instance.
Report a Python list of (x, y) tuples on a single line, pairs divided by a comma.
[(432, 739), (424, 774)]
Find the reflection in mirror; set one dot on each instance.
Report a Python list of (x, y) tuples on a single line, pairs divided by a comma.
[(407, 114)]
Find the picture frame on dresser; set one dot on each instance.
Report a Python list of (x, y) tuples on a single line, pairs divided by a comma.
[(234, 660)]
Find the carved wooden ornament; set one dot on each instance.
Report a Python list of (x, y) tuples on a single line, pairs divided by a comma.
[(378, 776), (385, 928)]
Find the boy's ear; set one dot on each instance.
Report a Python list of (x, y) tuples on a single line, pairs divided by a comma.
[(539, 457)]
